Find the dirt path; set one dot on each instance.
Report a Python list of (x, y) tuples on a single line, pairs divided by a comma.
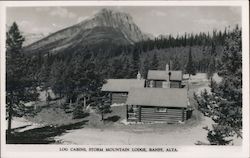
[(91, 136)]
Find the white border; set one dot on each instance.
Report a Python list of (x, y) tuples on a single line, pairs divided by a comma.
[(185, 151)]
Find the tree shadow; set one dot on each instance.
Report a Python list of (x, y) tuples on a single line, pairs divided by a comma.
[(81, 115), (43, 135), (18, 128), (112, 118)]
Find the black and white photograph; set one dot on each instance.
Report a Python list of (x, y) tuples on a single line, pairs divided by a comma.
[(160, 76)]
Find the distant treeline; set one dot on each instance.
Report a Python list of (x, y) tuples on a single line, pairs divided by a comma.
[(200, 39), (87, 67)]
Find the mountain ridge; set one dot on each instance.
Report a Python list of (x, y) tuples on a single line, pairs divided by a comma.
[(106, 20)]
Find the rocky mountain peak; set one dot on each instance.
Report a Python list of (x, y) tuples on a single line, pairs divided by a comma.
[(110, 18), (115, 15), (118, 20), (105, 25)]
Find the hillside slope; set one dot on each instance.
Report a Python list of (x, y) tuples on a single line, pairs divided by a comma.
[(106, 26)]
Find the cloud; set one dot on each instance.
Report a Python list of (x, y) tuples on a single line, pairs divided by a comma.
[(209, 25), (62, 12), (158, 13), (40, 30), (212, 22), (91, 15), (57, 11), (236, 10), (24, 23), (25, 26), (30, 27), (42, 9)]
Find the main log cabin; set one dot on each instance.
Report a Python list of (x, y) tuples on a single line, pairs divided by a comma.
[(119, 88), (165, 79), (157, 105)]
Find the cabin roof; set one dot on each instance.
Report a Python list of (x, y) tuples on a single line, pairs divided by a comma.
[(166, 97), (162, 75), (122, 85)]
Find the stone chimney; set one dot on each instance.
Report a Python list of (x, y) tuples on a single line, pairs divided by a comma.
[(167, 68), (139, 76), (169, 75)]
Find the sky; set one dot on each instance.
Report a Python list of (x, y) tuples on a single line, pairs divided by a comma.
[(158, 20)]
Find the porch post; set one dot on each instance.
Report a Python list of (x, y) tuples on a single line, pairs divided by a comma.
[(127, 113), (139, 117), (182, 114), (110, 98)]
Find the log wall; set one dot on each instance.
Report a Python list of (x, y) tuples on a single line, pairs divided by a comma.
[(158, 84), (175, 84), (119, 97), (172, 115)]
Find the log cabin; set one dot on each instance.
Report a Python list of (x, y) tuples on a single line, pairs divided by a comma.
[(119, 88), (157, 105), (165, 79)]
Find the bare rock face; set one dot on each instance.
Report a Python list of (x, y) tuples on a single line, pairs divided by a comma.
[(121, 21), (105, 26)]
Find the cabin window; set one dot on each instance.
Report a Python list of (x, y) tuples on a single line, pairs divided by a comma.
[(124, 94), (161, 110), (151, 84)]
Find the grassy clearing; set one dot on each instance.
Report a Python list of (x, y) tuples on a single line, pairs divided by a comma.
[(53, 116)]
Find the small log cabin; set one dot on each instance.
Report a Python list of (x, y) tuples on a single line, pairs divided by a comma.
[(119, 88), (165, 79), (157, 105)]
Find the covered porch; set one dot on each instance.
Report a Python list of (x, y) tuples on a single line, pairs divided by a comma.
[(133, 113)]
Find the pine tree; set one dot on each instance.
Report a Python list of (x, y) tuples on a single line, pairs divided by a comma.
[(69, 83), (45, 76), (20, 88), (212, 61), (175, 64), (145, 67), (126, 68), (14, 41), (117, 67), (190, 69), (155, 63), (57, 77), (78, 112), (103, 106), (211, 68), (224, 104), (135, 63)]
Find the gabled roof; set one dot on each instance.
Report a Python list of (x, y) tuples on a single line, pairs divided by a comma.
[(166, 97), (162, 75), (122, 85)]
